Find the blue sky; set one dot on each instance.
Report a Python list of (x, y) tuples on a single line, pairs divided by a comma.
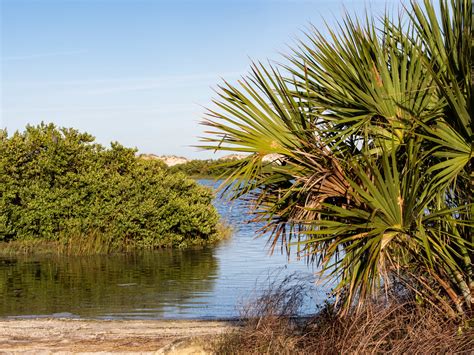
[(141, 71)]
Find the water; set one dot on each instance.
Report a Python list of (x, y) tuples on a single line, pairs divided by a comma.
[(211, 283)]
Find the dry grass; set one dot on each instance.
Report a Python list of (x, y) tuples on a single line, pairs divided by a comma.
[(28, 247), (396, 326), (74, 244)]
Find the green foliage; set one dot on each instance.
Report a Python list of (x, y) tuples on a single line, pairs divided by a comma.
[(373, 130), (205, 168), (57, 184)]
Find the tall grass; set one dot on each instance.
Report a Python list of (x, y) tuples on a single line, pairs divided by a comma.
[(95, 242)]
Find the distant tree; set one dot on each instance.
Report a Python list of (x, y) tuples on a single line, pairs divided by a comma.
[(205, 168)]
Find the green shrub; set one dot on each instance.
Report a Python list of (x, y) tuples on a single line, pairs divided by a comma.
[(205, 168), (57, 184)]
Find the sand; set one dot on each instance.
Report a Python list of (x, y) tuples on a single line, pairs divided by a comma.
[(65, 336)]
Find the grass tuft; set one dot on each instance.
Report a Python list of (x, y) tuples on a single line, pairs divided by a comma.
[(397, 326)]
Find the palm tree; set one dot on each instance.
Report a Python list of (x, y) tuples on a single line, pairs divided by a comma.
[(371, 135)]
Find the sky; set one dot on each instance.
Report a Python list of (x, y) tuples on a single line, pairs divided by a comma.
[(142, 72)]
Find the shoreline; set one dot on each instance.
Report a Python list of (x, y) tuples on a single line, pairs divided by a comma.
[(52, 335)]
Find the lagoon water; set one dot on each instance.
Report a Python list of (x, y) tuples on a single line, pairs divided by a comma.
[(212, 283)]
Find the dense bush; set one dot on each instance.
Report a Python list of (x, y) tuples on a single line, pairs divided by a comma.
[(205, 168), (57, 184)]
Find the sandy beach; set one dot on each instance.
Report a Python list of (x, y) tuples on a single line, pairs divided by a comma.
[(47, 336)]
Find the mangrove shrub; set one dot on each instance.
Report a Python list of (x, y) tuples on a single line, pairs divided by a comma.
[(58, 184)]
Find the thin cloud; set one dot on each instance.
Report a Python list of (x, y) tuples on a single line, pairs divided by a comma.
[(118, 85), (165, 82), (106, 109), (42, 55)]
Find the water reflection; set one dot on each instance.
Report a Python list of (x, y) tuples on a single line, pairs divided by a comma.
[(144, 285)]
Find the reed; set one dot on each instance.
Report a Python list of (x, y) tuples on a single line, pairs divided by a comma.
[(94, 242)]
